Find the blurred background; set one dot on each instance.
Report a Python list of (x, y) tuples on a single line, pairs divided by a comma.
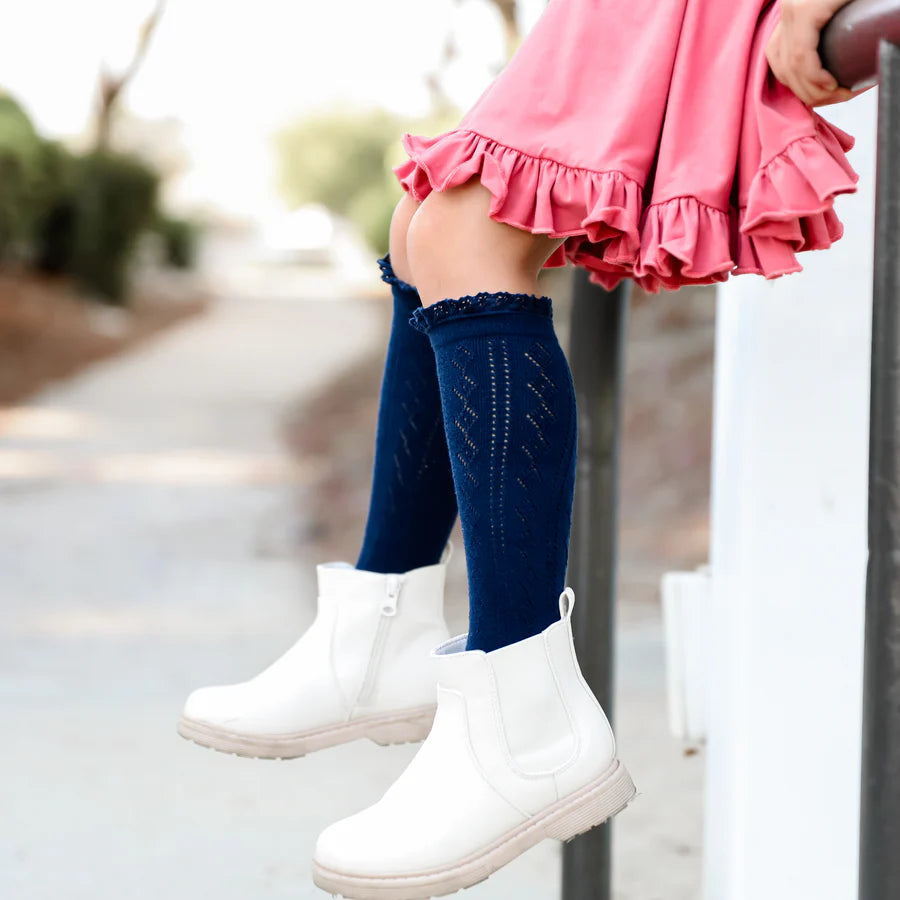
[(192, 331)]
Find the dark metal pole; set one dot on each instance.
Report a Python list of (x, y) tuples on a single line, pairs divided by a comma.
[(880, 806), (596, 354)]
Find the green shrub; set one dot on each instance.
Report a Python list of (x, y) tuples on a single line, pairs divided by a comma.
[(343, 160), (20, 177), (178, 239), (77, 215), (55, 228), (115, 201), (371, 212), (327, 157), (339, 159)]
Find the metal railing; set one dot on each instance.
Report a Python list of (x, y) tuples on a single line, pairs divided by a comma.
[(859, 46), (596, 354)]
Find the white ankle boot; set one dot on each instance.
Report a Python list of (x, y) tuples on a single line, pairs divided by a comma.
[(520, 751), (363, 669)]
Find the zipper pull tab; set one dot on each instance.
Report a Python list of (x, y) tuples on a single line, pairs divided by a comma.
[(389, 606)]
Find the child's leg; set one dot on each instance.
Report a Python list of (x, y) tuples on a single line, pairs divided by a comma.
[(455, 249), (400, 220), (412, 505), (362, 669), (509, 408), (520, 749)]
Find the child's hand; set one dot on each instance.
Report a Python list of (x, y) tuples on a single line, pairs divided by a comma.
[(793, 53)]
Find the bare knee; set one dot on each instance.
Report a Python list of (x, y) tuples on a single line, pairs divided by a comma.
[(443, 224), (454, 248), (403, 214)]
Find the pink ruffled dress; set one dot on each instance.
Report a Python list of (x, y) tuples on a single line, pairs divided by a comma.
[(651, 135)]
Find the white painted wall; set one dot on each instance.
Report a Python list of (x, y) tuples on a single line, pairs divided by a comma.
[(788, 563), (686, 598)]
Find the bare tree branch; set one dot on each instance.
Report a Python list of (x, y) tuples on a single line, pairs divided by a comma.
[(434, 80), (508, 10), (111, 85)]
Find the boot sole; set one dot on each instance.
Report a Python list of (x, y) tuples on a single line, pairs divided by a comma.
[(567, 818), (403, 727)]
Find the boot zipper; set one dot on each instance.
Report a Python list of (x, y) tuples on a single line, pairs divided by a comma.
[(388, 611)]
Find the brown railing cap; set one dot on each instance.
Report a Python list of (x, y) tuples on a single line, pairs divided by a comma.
[(849, 47)]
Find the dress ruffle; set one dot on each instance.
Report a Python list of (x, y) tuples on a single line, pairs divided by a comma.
[(709, 168), (683, 241), (666, 245), (539, 195), (790, 203)]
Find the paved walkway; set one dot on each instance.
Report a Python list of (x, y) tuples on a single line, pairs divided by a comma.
[(147, 546)]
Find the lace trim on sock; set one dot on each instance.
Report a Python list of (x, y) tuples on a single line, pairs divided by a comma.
[(388, 276), (481, 304)]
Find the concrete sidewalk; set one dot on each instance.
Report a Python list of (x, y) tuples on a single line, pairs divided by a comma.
[(148, 544)]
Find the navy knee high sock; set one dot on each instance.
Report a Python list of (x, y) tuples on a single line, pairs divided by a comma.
[(413, 505), (510, 420)]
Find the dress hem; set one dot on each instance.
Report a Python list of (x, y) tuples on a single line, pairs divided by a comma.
[(606, 228)]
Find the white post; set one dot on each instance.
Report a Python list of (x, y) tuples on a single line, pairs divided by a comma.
[(788, 565)]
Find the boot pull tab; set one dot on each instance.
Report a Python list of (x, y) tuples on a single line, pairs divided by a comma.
[(447, 554), (566, 602), (392, 592)]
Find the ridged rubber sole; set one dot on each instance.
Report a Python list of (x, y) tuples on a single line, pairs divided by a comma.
[(399, 727), (573, 815)]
